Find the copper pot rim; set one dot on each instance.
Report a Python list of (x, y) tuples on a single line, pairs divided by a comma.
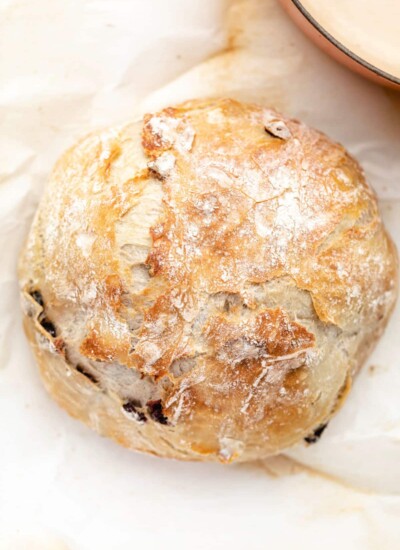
[(328, 36)]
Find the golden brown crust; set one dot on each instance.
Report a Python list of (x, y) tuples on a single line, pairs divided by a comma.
[(222, 270)]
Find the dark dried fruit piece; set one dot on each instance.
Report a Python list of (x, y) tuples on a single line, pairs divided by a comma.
[(131, 407), (155, 409), (313, 438), (48, 326), (37, 296), (86, 373)]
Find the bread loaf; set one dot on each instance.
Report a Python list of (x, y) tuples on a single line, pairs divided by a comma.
[(205, 284)]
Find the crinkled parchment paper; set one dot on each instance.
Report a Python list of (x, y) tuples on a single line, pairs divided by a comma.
[(69, 67)]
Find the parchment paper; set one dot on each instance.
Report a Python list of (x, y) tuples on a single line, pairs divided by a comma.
[(69, 67)]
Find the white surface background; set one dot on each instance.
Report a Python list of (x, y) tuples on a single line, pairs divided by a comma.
[(69, 66)]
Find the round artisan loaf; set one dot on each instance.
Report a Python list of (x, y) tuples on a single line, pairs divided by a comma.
[(204, 284)]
